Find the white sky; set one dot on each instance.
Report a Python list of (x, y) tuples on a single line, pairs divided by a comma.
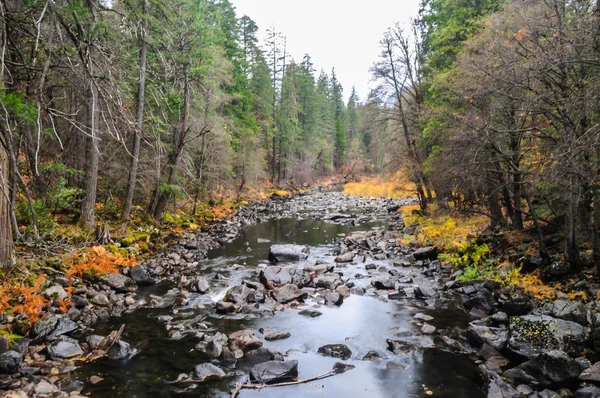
[(343, 34)]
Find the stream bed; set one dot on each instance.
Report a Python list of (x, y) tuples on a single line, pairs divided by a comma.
[(364, 322)]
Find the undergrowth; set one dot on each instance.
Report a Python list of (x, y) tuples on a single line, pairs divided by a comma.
[(394, 187)]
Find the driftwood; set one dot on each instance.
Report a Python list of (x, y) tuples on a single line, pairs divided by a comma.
[(247, 386), (266, 282), (104, 346)]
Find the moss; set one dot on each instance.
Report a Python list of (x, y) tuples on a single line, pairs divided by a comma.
[(10, 336)]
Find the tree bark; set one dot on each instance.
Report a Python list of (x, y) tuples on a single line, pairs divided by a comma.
[(139, 121), (6, 242)]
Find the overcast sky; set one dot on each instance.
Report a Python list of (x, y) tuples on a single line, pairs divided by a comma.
[(343, 34)]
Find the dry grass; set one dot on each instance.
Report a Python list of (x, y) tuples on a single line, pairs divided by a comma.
[(395, 187), (97, 261), (23, 298)]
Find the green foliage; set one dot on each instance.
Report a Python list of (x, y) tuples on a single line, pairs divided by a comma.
[(474, 260)]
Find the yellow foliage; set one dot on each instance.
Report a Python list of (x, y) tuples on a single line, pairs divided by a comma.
[(394, 187), (96, 260), (532, 283)]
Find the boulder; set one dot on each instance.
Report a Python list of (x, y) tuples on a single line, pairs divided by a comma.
[(345, 258), (238, 295), (286, 275), (335, 351), (200, 285), (548, 369), (288, 253), (140, 276), (534, 334), (277, 336), (208, 371), (273, 372), (426, 253), (383, 283), (334, 298), (63, 326), (244, 340), (65, 348), (587, 392), (371, 356), (224, 308), (591, 374), (288, 293), (330, 282), (559, 269), (118, 282), (260, 355), (44, 326), (10, 361), (4, 344), (569, 311), (514, 304), (55, 291), (495, 337), (336, 216), (121, 350)]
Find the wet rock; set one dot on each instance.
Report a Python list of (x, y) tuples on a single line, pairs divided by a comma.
[(244, 340), (344, 290), (335, 351), (569, 311), (423, 317), (288, 293), (334, 298), (399, 347), (330, 282), (310, 313), (277, 336), (371, 356), (559, 269), (100, 299), (336, 217), (55, 291), (591, 374), (587, 392), (208, 371), (383, 283), (394, 365), (121, 350), (44, 326), (10, 361), (428, 329), (224, 308), (533, 334), (260, 355), (140, 276), (495, 337), (482, 300), (398, 295), (63, 326), (426, 253), (4, 345), (514, 304), (345, 258), (548, 369), (288, 253), (65, 348), (238, 294), (287, 275), (44, 388), (118, 282), (273, 372), (319, 269), (79, 301), (499, 317), (95, 379)]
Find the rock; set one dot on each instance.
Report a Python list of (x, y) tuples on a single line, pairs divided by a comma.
[(118, 282), (514, 304), (423, 317), (398, 295), (591, 374), (334, 298), (310, 313), (121, 350), (426, 253), (277, 336), (95, 379), (336, 216), (44, 388), (100, 299), (319, 269), (533, 334), (383, 283), (288, 293), (495, 337), (546, 370), (335, 351), (482, 300), (10, 361), (273, 372), (343, 290), (65, 348), (587, 392), (44, 326), (559, 268), (244, 340), (330, 282), (224, 308), (394, 365), (286, 275), (399, 347), (55, 291), (63, 326), (238, 295), (208, 371), (4, 345), (371, 356), (260, 355), (288, 253), (499, 317), (428, 329), (345, 258), (569, 311), (140, 276)]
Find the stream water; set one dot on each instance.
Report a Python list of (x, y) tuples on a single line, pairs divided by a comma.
[(363, 323)]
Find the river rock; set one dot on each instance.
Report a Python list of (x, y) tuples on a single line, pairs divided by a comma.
[(591, 374), (288, 293), (273, 372), (208, 371), (319, 269), (495, 337), (428, 329), (310, 313), (224, 308), (121, 350), (336, 216), (238, 294), (514, 304), (371, 356), (334, 298), (10, 361), (345, 258), (569, 311), (533, 334), (65, 348), (587, 392), (44, 326), (423, 317), (55, 291), (426, 253), (288, 253), (244, 340), (140, 276), (559, 269), (548, 369), (63, 326), (287, 275), (118, 282), (277, 336), (330, 282), (260, 355), (4, 344), (335, 351), (383, 283)]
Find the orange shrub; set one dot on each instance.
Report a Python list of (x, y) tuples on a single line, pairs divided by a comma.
[(96, 260)]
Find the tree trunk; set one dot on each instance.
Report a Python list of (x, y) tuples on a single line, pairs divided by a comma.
[(6, 242), (139, 121), (571, 243), (91, 160)]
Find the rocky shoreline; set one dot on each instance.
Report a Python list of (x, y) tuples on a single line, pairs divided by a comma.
[(522, 348)]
